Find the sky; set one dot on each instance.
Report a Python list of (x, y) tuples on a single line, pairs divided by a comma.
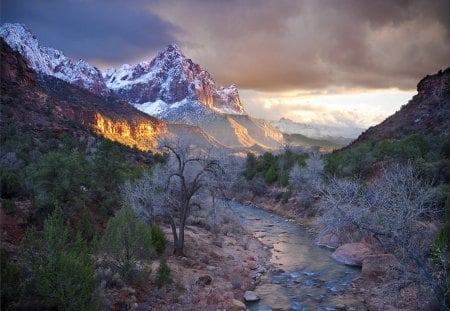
[(334, 62)]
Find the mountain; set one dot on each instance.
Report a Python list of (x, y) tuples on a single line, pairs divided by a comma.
[(173, 88), (427, 113), (46, 103), (51, 62), (168, 80), (170, 87), (334, 134)]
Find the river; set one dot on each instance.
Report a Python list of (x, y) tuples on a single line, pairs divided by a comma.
[(308, 279)]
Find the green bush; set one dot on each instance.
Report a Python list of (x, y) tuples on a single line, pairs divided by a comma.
[(10, 281), (270, 175), (163, 277), (9, 183), (58, 272), (62, 178), (287, 195), (158, 239), (8, 206), (127, 239), (442, 240)]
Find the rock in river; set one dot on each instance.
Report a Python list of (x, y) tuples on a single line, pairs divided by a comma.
[(250, 296), (352, 253)]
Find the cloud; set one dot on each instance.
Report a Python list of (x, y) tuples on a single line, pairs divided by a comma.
[(285, 45), (107, 32), (360, 109), (265, 45)]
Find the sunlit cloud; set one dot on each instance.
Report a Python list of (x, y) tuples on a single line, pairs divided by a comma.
[(356, 109)]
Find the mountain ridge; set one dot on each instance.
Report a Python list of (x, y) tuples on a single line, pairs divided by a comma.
[(52, 62), (427, 113), (191, 95)]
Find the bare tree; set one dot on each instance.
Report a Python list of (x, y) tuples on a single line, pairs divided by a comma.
[(187, 175), (392, 209), (143, 196)]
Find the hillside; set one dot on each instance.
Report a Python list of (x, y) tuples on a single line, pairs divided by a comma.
[(427, 113)]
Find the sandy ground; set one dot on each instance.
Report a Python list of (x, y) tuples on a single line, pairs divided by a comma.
[(215, 272)]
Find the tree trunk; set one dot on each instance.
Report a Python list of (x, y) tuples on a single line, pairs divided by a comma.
[(175, 236), (180, 246)]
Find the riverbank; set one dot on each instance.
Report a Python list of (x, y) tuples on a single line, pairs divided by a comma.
[(378, 287), (213, 275)]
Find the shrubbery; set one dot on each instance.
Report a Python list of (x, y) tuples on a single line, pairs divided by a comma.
[(158, 239), (273, 168), (57, 271), (127, 240), (358, 160), (163, 277)]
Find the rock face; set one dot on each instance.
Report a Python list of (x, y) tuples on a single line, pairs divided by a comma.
[(48, 61), (352, 254), (427, 113), (169, 79)]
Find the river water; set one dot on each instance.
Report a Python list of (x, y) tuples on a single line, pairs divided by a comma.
[(309, 280)]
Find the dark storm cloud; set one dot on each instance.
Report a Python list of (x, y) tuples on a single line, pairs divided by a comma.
[(258, 44), (109, 31), (309, 44)]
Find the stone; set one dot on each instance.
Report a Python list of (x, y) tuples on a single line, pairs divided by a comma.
[(204, 280), (234, 305), (380, 265), (250, 296), (211, 268), (328, 240), (352, 254)]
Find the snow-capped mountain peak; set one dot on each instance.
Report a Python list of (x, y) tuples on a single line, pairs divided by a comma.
[(171, 78), (48, 61)]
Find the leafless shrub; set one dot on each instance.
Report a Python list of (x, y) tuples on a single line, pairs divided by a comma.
[(143, 196), (393, 209)]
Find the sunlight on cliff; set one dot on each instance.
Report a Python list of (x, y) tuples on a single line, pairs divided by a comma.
[(140, 135)]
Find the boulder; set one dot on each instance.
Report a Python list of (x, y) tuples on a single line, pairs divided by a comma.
[(380, 265), (234, 305), (328, 240), (250, 296), (352, 253)]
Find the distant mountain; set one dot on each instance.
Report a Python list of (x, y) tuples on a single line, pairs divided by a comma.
[(334, 134), (302, 140), (164, 84), (427, 113), (51, 62)]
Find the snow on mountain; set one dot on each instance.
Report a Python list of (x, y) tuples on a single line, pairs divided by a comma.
[(317, 131), (171, 78), (52, 62)]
